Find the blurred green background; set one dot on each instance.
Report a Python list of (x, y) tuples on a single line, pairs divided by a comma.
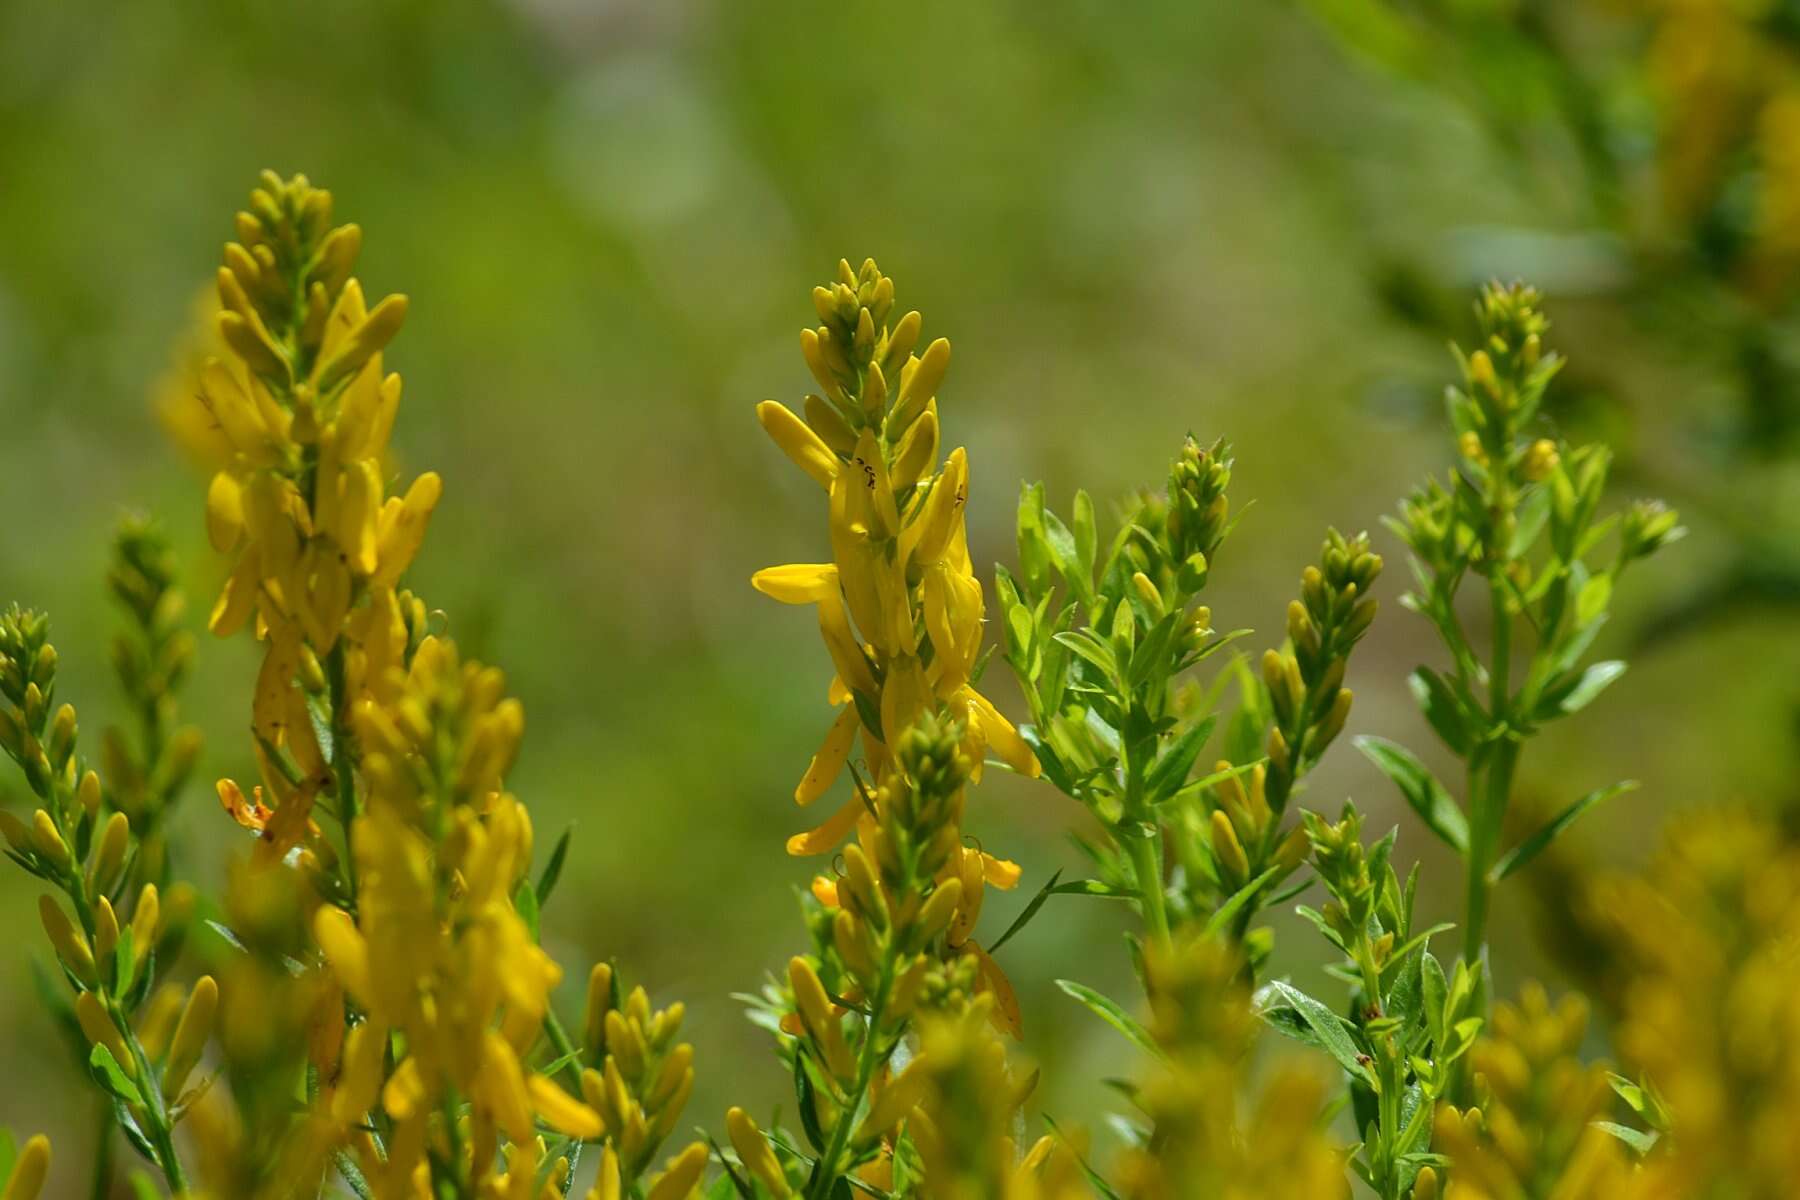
[(1133, 221)]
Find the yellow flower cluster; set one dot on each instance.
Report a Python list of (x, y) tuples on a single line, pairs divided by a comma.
[(452, 986), (1533, 1133), (1200, 1146), (965, 1125), (301, 399), (900, 608), (1710, 934)]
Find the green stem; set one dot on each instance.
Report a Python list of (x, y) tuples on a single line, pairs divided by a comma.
[(826, 1176), (565, 1047), (1146, 866), (342, 770), (103, 1154)]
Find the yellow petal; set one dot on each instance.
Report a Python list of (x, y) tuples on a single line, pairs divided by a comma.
[(561, 1111), (1006, 1015), (797, 583), (1000, 872), (798, 442), (1000, 735), (402, 535), (828, 763), (835, 829), (345, 950), (846, 652), (224, 512)]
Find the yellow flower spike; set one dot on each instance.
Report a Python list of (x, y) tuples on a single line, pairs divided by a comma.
[(191, 1034), (109, 856), (797, 583), (106, 929), (846, 652), (820, 1018), (345, 950), (837, 827), (404, 531), (825, 891), (917, 452), (29, 1171), (755, 1152), (798, 442), (680, 1174), (98, 1026), (224, 513), (561, 1111), (71, 946), (48, 842), (828, 763), (1007, 1016)]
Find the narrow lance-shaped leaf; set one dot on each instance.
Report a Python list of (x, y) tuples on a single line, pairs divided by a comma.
[(1427, 796), (1532, 846)]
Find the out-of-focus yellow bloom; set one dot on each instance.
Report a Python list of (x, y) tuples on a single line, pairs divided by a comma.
[(1710, 940), (1534, 1133), (29, 1171), (1204, 1145)]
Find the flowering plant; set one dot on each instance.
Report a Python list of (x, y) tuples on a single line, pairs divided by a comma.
[(372, 1011)]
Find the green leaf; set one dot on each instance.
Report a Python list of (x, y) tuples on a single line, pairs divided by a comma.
[(553, 867), (1641, 1141), (1109, 1011), (1228, 911), (1591, 601), (111, 1076), (1086, 538), (1171, 768), (1590, 684), (1030, 910), (1443, 709), (1091, 648), (1532, 846), (1421, 789), (526, 905), (1325, 1025)]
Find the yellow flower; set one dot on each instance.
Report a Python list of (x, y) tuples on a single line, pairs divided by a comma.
[(900, 609)]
